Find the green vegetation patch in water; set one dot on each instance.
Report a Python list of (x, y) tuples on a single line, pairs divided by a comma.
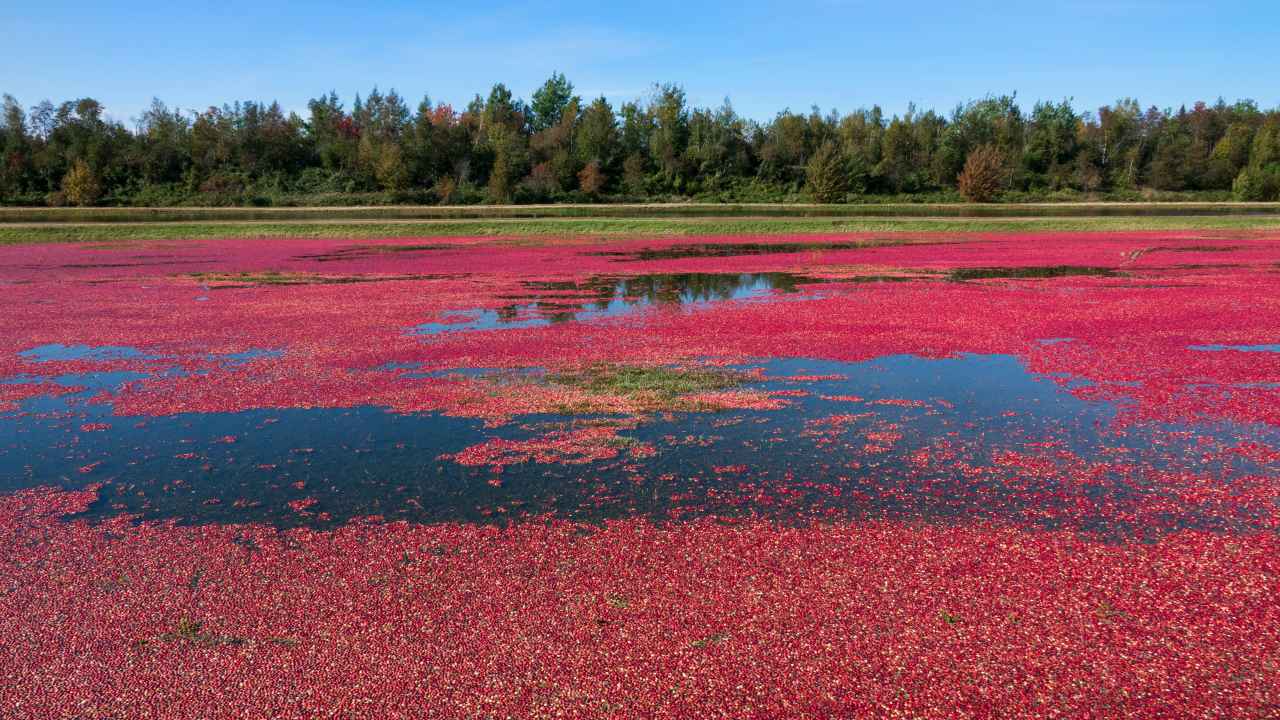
[(665, 384)]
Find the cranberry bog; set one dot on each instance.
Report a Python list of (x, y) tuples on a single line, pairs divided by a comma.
[(929, 475)]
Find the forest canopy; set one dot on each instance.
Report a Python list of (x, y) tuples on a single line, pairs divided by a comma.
[(560, 147)]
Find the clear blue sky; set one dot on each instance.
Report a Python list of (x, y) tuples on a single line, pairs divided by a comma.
[(764, 56)]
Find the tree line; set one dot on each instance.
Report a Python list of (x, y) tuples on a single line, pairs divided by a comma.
[(560, 147)]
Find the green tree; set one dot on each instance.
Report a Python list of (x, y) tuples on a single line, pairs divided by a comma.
[(637, 126), (502, 137), (550, 101), (1257, 184), (1121, 146), (390, 169), (1230, 154), (633, 174), (670, 133), (783, 148), (1051, 143), (718, 148), (245, 151), (162, 144), (903, 165), (501, 110), (827, 174), (15, 148), (509, 161), (597, 139), (552, 150), (862, 137), (995, 121), (1171, 162), (333, 133), (1266, 144)]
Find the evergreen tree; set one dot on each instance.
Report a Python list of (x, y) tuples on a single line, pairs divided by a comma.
[(550, 101)]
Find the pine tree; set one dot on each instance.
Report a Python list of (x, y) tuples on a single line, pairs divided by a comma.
[(550, 100)]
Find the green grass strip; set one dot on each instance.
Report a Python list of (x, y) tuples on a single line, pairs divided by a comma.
[(28, 234)]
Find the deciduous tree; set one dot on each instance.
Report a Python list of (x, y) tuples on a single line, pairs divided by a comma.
[(983, 176), (80, 186)]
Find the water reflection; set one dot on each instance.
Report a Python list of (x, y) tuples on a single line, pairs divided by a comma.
[(598, 297), (55, 352), (727, 249), (895, 437)]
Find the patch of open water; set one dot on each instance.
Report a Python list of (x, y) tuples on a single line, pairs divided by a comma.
[(58, 352), (602, 297), (1275, 348), (724, 249), (898, 436)]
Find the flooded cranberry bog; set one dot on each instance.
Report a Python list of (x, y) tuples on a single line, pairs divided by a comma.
[(897, 474)]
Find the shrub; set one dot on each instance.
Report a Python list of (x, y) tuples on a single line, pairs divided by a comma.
[(220, 189), (80, 186), (827, 174), (222, 184), (320, 180), (158, 195), (541, 181), (983, 175)]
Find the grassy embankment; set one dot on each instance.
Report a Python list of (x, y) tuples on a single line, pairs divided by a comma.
[(42, 225)]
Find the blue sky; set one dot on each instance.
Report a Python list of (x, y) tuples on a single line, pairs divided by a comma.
[(765, 56)]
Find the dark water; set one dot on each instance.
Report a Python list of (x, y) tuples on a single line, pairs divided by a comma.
[(791, 463), (1031, 271), (724, 249), (355, 252)]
